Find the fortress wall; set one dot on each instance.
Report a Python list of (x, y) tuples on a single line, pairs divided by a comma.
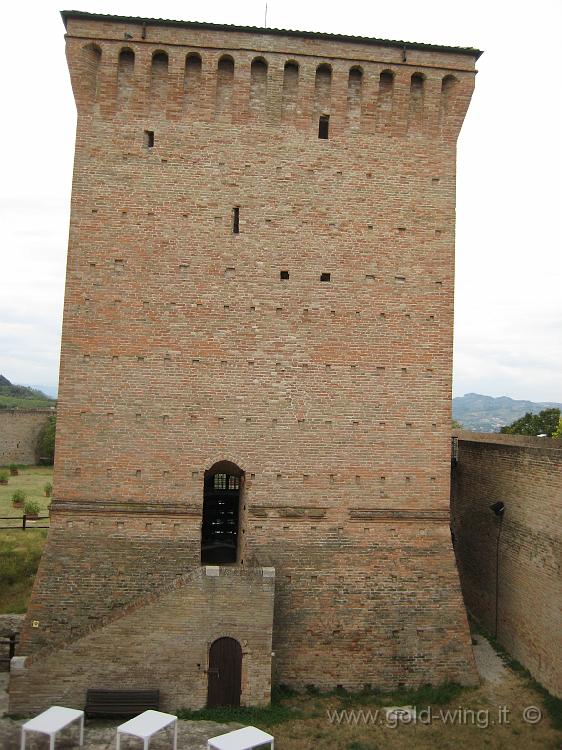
[(526, 475), (19, 429)]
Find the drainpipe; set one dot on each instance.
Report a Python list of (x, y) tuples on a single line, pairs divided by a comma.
[(498, 509)]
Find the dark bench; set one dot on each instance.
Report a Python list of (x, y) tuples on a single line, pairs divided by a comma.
[(120, 702)]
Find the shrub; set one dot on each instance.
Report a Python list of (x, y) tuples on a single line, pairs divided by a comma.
[(46, 441), (4, 476), (19, 497), (31, 508), (48, 488)]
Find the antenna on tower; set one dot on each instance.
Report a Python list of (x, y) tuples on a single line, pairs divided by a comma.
[(265, 19)]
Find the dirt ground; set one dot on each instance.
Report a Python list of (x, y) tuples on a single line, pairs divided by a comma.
[(503, 713)]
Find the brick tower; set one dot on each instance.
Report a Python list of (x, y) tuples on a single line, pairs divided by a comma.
[(252, 464)]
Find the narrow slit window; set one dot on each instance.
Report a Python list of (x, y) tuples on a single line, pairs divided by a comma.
[(149, 138), (325, 277), (236, 220), (284, 275), (324, 127)]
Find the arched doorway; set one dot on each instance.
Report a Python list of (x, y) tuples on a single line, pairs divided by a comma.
[(224, 673), (221, 510)]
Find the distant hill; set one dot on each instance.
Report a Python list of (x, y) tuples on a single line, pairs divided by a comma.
[(49, 390), (487, 414), (22, 397)]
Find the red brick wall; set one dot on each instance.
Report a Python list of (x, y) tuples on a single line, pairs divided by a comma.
[(526, 475), (182, 346)]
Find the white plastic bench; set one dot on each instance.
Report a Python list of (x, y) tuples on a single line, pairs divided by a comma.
[(146, 725), (51, 722), (241, 739)]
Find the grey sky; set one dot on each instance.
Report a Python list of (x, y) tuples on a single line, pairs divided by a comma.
[(508, 320)]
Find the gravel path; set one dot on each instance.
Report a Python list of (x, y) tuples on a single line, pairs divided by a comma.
[(100, 735), (490, 666)]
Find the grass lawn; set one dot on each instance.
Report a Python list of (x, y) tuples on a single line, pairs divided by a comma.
[(487, 716), (31, 480), (16, 402), (20, 551)]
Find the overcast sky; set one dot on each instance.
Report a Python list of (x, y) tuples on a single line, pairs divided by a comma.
[(508, 320)]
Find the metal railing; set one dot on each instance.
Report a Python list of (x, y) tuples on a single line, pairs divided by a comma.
[(24, 522)]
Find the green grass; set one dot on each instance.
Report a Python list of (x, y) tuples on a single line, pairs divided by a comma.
[(16, 402), (276, 713), (20, 552), (23, 397), (31, 479), (426, 695), (551, 703), (281, 710)]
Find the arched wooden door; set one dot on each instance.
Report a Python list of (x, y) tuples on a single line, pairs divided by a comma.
[(224, 673)]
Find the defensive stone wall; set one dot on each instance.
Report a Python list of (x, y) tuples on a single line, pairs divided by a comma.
[(523, 546), (19, 429)]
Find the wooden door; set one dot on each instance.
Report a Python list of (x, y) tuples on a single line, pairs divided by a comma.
[(224, 673)]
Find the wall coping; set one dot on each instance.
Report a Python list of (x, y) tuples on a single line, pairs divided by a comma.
[(500, 440), (19, 412)]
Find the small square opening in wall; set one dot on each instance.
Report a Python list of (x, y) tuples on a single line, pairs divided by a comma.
[(284, 275), (149, 138), (325, 276), (324, 127)]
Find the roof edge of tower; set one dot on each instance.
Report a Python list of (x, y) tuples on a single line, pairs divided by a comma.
[(67, 14)]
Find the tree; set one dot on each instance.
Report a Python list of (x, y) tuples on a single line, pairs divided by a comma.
[(46, 440), (544, 423), (456, 425), (557, 434)]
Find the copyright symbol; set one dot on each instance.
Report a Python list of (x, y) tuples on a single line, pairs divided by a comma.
[(532, 715)]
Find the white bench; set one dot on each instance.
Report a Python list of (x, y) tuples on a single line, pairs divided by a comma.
[(241, 739), (146, 725), (51, 722)]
